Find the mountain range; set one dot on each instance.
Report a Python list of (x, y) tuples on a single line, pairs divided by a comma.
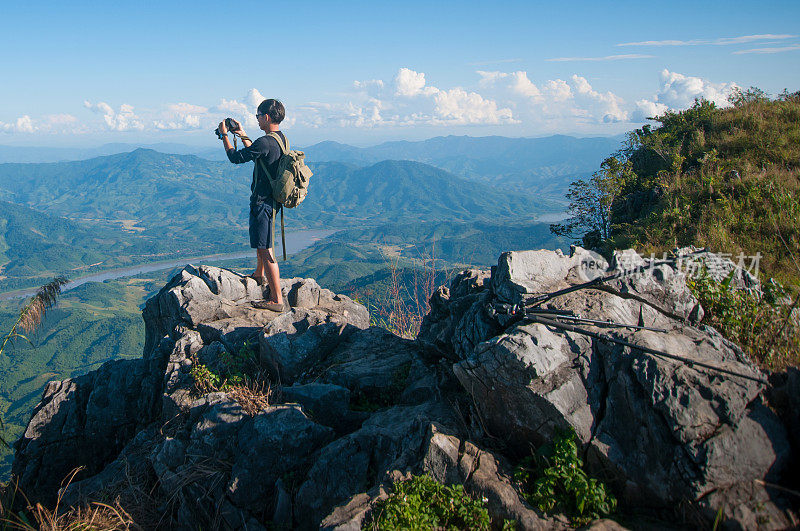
[(144, 205), (549, 163)]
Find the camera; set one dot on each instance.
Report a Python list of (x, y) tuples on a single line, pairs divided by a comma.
[(230, 124)]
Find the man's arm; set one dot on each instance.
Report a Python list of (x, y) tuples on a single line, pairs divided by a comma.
[(223, 129)]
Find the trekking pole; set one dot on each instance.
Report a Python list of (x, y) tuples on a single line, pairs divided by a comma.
[(540, 299), (648, 350), (596, 322)]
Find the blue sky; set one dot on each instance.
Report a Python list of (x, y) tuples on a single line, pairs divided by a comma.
[(87, 73)]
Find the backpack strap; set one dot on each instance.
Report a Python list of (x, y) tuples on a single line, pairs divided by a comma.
[(284, 150), (283, 236), (283, 145)]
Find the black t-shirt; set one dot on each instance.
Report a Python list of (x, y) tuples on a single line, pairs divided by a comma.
[(267, 149)]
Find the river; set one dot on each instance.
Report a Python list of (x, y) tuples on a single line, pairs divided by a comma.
[(295, 241)]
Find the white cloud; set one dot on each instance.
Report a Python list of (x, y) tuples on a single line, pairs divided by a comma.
[(620, 57), (608, 105), (23, 124), (523, 86), (60, 119), (410, 83), (369, 83), (778, 49), (490, 78), (181, 117), (244, 111), (724, 41), (122, 120), (557, 90), (459, 107), (646, 109), (678, 92), (554, 101), (407, 101), (254, 98)]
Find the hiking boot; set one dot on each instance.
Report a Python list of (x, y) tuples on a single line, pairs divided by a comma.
[(268, 305)]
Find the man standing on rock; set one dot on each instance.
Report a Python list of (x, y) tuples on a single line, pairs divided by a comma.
[(270, 114)]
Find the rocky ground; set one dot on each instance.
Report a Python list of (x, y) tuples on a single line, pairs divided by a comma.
[(351, 408)]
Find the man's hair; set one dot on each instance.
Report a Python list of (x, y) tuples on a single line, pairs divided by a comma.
[(274, 109)]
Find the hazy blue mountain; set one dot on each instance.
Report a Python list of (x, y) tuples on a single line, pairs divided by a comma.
[(186, 194), (543, 165), (548, 163), (144, 206), (34, 154), (393, 191)]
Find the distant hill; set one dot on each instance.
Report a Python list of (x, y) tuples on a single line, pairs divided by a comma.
[(189, 195), (35, 154), (549, 163), (35, 246), (545, 165), (124, 208), (392, 191)]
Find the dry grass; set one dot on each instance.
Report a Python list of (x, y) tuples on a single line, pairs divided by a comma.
[(95, 516), (253, 395), (406, 301)]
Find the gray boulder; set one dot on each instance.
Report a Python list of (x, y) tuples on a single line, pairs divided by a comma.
[(104, 408), (660, 430)]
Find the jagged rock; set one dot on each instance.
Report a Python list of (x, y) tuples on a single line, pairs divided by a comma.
[(362, 408), (327, 404), (660, 430), (450, 460), (107, 407), (373, 362), (295, 341), (269, 445), (444, 328), (389, 440)]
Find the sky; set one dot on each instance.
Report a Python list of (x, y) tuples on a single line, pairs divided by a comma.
[(82, 74)]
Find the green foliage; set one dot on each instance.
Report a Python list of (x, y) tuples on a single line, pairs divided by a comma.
[(205, 380), (724, 178), (761, 324), (554, 481), (591, 202), (422, 503), (77, 336), (235, 370)]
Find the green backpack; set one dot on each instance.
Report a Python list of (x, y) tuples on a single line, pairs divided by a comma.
[(290, 182)]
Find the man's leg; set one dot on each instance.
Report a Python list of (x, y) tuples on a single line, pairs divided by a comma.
[(259, 264), (267, 258)]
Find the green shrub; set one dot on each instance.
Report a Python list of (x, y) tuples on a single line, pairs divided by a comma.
[(236, 369), (554, 481), (761, 324), (422, 503), (205, 380)]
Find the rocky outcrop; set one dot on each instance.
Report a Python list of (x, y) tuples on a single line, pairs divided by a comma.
[(662, 431), (350, 409), (339, 410)]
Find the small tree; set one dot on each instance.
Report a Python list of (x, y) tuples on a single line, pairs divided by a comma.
[(590, 204), (739, 97)]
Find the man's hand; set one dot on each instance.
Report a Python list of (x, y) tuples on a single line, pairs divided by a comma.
[(237, 127), (222, 129)]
